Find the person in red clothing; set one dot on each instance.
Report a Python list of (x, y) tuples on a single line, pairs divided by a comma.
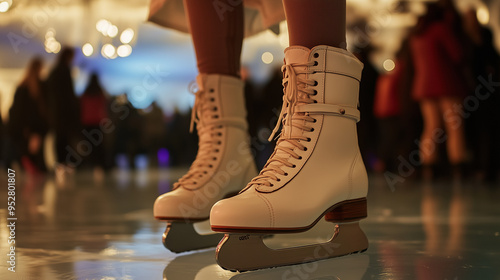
[(438, 86), (93, 108)]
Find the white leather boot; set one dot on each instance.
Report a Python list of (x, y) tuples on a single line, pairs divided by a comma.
[(223, 164), (316, 169)]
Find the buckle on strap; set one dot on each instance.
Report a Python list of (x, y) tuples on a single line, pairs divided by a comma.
[(331, 109)]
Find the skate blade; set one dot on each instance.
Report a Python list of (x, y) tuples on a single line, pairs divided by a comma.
[(243, 252), (181, 237)]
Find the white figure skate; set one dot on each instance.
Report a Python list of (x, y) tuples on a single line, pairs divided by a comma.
[(315, 171), (222, 167)]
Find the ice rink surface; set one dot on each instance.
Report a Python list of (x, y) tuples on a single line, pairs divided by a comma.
[(82, 228)]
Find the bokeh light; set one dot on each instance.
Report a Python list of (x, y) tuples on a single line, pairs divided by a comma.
[(127, 36), (267, 58), (108, 51), (87, 49), (389, 65), (124, 50), (483, 15)]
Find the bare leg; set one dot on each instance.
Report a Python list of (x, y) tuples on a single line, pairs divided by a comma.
[(217, 32), (455, 144), (316, 22), (432, 123)]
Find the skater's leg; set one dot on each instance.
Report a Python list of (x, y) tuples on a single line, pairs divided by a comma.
[(220, 117), (455, 144), (316, 22), (217, 35), (432, 122)]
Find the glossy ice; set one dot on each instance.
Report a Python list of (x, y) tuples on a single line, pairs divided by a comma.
[(85, 228)]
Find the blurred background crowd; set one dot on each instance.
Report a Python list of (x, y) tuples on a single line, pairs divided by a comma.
[(429, 96)]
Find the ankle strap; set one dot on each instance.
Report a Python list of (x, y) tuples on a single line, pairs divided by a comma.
[(331, 109), (234, 122)]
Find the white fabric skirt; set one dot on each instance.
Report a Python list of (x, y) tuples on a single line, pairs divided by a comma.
[(259, 14)]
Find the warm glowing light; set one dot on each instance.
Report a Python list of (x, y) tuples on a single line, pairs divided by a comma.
[(52, 45), (56, 47), (127, 36), (108, 51), (51, 33), (483, 15), (102, 25), (112, 31), (267, 57), (389, 65), (4, 7), (87, 49), (124, 50)]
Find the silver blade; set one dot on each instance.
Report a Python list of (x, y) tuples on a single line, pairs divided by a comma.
[(182, 237), (242, 252)]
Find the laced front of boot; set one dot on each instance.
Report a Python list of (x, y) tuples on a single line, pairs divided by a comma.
[(298, 90), (210, 127)]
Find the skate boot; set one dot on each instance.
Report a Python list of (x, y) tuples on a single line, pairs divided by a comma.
[(315, 171), (223, 165)]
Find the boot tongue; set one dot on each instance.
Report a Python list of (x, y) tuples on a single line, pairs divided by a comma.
[(296, 54)]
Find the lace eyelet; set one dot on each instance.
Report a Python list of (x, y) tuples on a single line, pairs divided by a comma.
[(315, 63), (315, 92), (315, 120), (315, 101), (216, 117), (219, 142), (315, 83), (279, 180), (308, 139), (300, 157), (214, 158), (211, 90), (214, 109), (316, 55), (210, 166), (286, 174), (212, 99), (305, 149), (272, 185), (219, 133), (312, 129), (293, 166), (205, 172)]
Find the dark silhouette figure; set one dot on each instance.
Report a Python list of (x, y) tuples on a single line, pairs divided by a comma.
[(64, 109), (28, 119), (94, 109), (367, 129), (483, 123)]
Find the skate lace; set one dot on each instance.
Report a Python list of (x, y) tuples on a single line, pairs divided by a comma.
[(296, 91), (204, 114)]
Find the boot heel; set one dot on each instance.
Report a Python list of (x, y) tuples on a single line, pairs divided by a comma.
[(348, 211)]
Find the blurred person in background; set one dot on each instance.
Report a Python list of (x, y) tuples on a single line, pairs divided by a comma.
[(93, 109), (28, 119), (387, 109), (438, 56), (483, 123), (367, 129), (153, 132), (64, 110)]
